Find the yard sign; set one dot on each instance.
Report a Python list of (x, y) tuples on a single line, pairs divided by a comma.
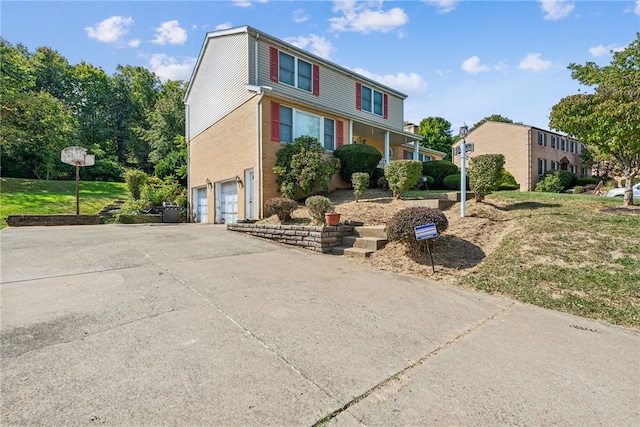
[(427, 231)]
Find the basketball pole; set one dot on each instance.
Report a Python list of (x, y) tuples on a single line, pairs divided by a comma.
[(77, 188)]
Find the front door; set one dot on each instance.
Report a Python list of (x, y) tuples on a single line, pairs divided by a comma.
[(201, 207), (248, 196)]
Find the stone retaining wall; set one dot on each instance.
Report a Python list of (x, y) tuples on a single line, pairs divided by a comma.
[(318, 239), (59, 219)]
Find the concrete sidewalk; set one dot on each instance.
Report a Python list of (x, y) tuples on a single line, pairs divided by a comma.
[(192, 325)]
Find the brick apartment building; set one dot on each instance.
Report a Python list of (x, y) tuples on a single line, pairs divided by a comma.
[(529, 152)]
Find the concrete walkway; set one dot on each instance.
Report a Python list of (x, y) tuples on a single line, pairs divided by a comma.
[(192, 325)]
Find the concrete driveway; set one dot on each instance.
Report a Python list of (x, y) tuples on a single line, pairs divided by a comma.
[(192, 325)]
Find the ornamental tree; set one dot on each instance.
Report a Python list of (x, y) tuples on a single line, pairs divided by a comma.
[(485, 174), (607, 120)]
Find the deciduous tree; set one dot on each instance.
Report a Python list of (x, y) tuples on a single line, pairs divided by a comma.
[(608, 120)]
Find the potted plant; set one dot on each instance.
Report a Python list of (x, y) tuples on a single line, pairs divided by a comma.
[(322, 210)]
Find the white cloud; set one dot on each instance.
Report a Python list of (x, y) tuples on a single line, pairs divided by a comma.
[(443, 6), (133, 43), (366, 17), (223, 26), (314, 44), (534, 62), (300, 16), (111, 30), (602, 50), (170, 32), (637, 9), (556, 9), (168, 68), (247, 3), (406, 83), (472, 66)]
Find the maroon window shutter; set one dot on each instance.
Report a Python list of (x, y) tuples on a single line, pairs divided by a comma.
[(273, 61), (358, 96), (339, 133), (405, 155), (316, 80), (275, 121), (386, 106)]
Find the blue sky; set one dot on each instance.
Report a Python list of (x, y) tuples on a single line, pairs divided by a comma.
[(461, 60)]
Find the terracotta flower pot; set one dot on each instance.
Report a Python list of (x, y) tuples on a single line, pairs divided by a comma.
[(332, 218)]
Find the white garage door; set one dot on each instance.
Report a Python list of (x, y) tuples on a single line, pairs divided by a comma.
[(229, 202), (201, 205)]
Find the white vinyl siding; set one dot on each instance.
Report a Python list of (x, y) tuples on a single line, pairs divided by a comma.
[(337, 91), (209, 100)]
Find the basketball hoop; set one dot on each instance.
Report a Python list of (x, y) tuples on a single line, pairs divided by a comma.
[(77, 156)]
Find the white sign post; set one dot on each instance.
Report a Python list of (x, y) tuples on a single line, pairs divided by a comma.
[(77, 156), (426, 232)]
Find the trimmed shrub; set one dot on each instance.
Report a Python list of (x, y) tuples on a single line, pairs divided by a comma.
[(508, 182), (567, 179), (401, 226), (451, 182), (357, 158), (360, 182), (578, 189), (402, 175), (586, 181), (156, 191), (382, 183), (302, 168), (135, 179), (549, 184), (318, 206), (439, 169), (283, 207), (485, 173)]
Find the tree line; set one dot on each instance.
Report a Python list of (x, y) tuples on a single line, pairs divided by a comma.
[(129, 120)]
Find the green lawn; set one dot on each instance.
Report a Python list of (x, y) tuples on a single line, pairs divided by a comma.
[(33, 196), (565, 254)]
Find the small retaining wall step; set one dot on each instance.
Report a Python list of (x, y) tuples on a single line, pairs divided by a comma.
[(373, 243), (371, 231), (357, 252)]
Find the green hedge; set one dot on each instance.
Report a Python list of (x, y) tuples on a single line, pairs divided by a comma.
[(439, 169), (357, 158)]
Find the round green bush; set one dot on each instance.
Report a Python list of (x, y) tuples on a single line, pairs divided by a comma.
[(439, 169), (567, 179), (318, 206), (401, 226), (283, 207), (357, 158), (508, 182), (451, 182), (578, 189)]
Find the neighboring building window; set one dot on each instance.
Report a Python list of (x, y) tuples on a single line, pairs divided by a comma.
[(582, 147), (371, 100), (292, 123), (583, 172), (542, 139), (542, 166), (554, 166), (294, 71), (424, 158), (574, 169), (574, 147), (554, 143), (564, 144)]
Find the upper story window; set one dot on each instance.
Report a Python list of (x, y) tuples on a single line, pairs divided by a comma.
[(563, 142), (293, 71), (288, 123), (554, 142), (542, 139), (371, 100)]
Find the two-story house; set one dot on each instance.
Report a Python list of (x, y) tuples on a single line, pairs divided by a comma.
[(528, 151), (250, 94)]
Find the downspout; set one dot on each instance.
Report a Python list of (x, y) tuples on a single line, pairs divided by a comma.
[(258, 174), (529, 183), (188, 142)]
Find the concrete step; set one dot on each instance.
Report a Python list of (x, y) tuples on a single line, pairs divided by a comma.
[(371, 231), (373, 243), (430, 203), (357, 252)]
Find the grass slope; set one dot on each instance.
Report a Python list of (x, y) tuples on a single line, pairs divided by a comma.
[(32, 196), (565, 254)]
